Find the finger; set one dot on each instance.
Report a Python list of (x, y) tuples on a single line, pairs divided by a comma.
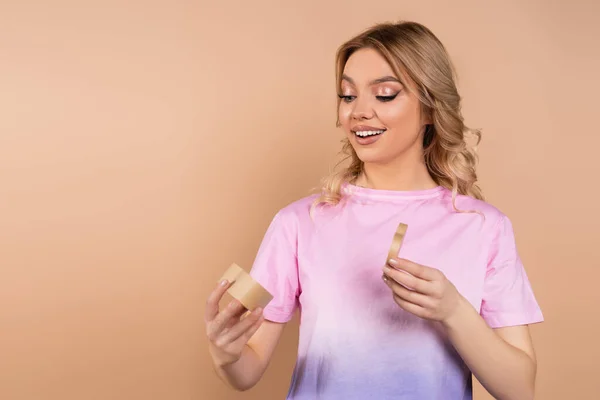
[(250, 332), (237, 317), (212, 303), (411, 307), (406, 294), (220, 321), (242, 326), (418, 270), (409, 281)]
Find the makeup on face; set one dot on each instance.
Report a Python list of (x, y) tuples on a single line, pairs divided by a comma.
[(382, 90)]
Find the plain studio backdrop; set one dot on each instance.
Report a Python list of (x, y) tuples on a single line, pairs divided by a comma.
[(145, 145)]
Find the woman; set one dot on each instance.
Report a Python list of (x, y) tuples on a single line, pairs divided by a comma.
[(455, 301)]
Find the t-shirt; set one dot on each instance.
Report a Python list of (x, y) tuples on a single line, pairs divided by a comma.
[(355, 342)]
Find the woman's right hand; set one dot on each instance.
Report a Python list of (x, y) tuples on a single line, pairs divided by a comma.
[(229, 330)]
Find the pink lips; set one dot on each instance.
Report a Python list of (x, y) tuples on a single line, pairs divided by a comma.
[(365, 128), (367, 140)]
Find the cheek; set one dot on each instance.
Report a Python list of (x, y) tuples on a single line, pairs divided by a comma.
[(344, 113), (392, 115), (399, 117)]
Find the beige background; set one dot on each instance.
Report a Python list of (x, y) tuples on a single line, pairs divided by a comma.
[(145, 145)]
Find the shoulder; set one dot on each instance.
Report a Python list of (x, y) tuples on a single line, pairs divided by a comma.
[(492, 214), (299, 207), (296, 212)]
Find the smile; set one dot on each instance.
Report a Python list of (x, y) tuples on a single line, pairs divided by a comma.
[(368, 133)]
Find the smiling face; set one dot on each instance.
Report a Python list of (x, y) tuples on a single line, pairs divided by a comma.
[(381, 118)]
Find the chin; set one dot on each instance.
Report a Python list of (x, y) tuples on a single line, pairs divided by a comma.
[(385, 151), (370, 149), (370, 155)]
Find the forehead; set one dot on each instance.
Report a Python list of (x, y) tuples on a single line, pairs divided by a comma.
[(367, 64)]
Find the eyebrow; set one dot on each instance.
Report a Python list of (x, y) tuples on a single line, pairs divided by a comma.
[(383, 79)]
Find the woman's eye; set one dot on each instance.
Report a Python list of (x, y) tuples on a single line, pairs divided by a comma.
[(386, 98), (349, 98), (346, 99)]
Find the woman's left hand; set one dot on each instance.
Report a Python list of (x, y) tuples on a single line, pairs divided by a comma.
[(431, 295)]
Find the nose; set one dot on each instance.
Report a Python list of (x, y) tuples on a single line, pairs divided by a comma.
[(362, 110)]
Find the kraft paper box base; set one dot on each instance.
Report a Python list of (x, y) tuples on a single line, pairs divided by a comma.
[(397, 241), (245, 289)]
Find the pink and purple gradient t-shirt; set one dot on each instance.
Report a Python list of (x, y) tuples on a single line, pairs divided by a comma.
[(355, 341)]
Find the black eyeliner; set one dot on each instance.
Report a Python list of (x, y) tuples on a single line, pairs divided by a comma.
[(387, 98)]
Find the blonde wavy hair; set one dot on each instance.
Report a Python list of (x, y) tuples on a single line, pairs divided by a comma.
[(415, 53)]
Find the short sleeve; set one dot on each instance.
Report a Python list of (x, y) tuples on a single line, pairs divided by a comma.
[(508, 298), (276, 268)]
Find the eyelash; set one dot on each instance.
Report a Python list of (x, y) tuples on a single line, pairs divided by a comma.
[(383, 99)]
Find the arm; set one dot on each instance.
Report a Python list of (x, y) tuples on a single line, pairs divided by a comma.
[(503, 360), (241, 349), (256, 355), (240, 344)]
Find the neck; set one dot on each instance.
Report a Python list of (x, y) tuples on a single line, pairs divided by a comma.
[(398, 175)]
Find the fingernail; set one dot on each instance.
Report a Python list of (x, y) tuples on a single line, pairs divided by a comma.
[(257, 310), (393, 262), (387, 269), (223, 282)]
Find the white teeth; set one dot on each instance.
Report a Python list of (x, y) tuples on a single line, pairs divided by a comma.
[(368, 133)]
